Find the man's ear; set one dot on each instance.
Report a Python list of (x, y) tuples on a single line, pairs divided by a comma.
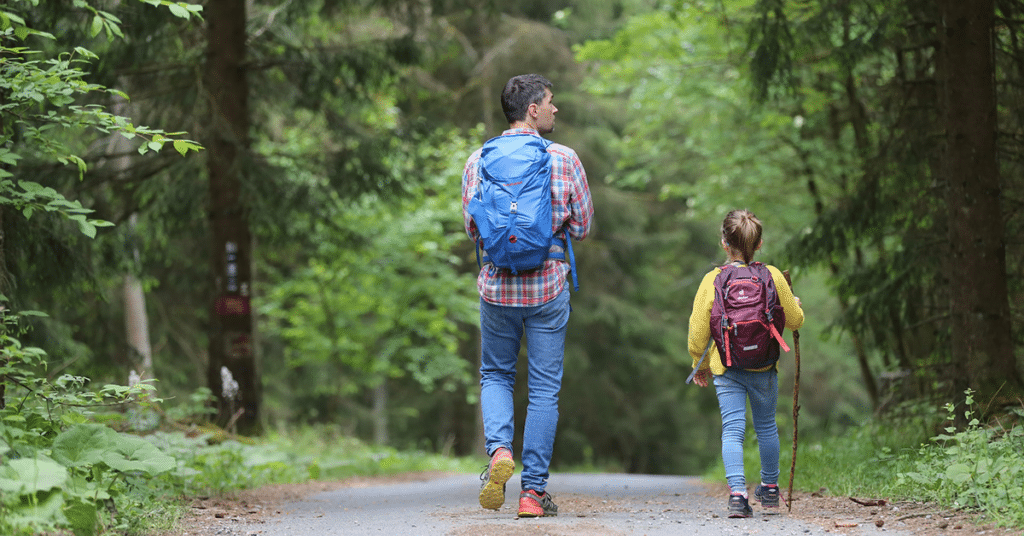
[(532, 110)]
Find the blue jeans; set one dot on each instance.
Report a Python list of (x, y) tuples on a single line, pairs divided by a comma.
[(501, 329), (762, 388)]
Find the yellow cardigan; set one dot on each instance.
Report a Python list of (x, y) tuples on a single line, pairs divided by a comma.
[(700, 318)]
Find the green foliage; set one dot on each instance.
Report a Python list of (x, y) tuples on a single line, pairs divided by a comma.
[(61, 118), (979, 468), (327, 453), (690, 145), (61, 469), (381, 294), (840, 161), (295, 454), (39, 96), (689, 130), (57, 469)]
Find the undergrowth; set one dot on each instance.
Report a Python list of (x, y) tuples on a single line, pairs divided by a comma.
[(977, 468), (117, 460)]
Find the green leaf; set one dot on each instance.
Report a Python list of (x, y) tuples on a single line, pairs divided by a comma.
[(87, 229), (30, 186), (8, 17), (30, 475), (136, 454), (42, 512), (155, 146), (83, 517), (85, 52), (33, 313), (115, 29), (110, 16), (97, 26), (9, 158), (179, 11), (958, 473), (83, 444)]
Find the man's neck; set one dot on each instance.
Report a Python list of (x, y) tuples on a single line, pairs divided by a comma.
[(521, 124)]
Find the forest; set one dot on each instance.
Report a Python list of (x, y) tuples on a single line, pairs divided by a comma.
[(253, 206)]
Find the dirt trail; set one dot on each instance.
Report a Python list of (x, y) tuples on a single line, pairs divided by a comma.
[(589, 505)]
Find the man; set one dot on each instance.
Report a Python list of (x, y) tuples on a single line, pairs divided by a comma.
[(534, 302)]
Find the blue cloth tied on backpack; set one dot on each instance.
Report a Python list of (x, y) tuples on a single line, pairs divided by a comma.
[(512, 206)]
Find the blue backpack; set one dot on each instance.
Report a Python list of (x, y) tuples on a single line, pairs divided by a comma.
[(512, 206)]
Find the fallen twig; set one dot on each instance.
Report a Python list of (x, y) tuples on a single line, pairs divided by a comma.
[(871, 502)]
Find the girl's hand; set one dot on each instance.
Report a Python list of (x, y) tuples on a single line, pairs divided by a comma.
[(701, 378)]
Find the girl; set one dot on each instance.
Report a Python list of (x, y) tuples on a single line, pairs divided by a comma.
[(741, 237)]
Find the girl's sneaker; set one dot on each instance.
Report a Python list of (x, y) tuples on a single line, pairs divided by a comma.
[(738, 506), (494, 477), (533, 504), (767, 495)]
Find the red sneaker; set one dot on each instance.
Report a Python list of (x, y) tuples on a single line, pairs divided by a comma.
[(533, 504), (494, 477)]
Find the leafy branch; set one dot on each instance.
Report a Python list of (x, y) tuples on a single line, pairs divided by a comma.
[(38, 96)]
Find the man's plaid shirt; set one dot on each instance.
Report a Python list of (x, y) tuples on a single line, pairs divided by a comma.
[(571, 208)]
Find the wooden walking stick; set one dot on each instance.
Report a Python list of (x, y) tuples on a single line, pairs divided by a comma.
[(796, 404)]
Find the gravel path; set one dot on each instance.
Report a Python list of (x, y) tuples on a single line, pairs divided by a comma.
[(589, 505)]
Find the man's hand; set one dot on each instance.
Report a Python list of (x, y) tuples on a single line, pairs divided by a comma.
[(701, 378)]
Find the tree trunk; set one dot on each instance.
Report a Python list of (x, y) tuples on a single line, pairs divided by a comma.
[(380, 413), (3, 290), (4, 279), (136, 321), (227, 142), (136, 324), (980, 311)]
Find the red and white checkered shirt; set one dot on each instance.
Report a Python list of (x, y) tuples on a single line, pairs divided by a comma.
[(571, 208)]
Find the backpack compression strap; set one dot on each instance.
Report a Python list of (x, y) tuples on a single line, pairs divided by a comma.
[(775, 332), (728, 354), (564, 256), (771, 321)]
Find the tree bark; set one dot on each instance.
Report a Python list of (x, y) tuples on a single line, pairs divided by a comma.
[(980, 311), (4, 278), (231, 341), (136, 321), (380, 413)]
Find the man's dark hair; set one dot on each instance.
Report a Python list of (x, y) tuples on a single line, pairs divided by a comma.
[(520, 92)]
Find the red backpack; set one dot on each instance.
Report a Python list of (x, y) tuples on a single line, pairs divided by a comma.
[(746, 317)]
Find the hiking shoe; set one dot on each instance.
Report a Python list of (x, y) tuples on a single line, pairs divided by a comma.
[(533, 504), (739, 507), (494, 477), (768, 495)]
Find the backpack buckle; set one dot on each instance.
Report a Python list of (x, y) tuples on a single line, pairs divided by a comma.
[(514, 207)]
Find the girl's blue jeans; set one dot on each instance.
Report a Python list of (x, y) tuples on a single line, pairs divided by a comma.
[(733, 389), (501, 330)]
